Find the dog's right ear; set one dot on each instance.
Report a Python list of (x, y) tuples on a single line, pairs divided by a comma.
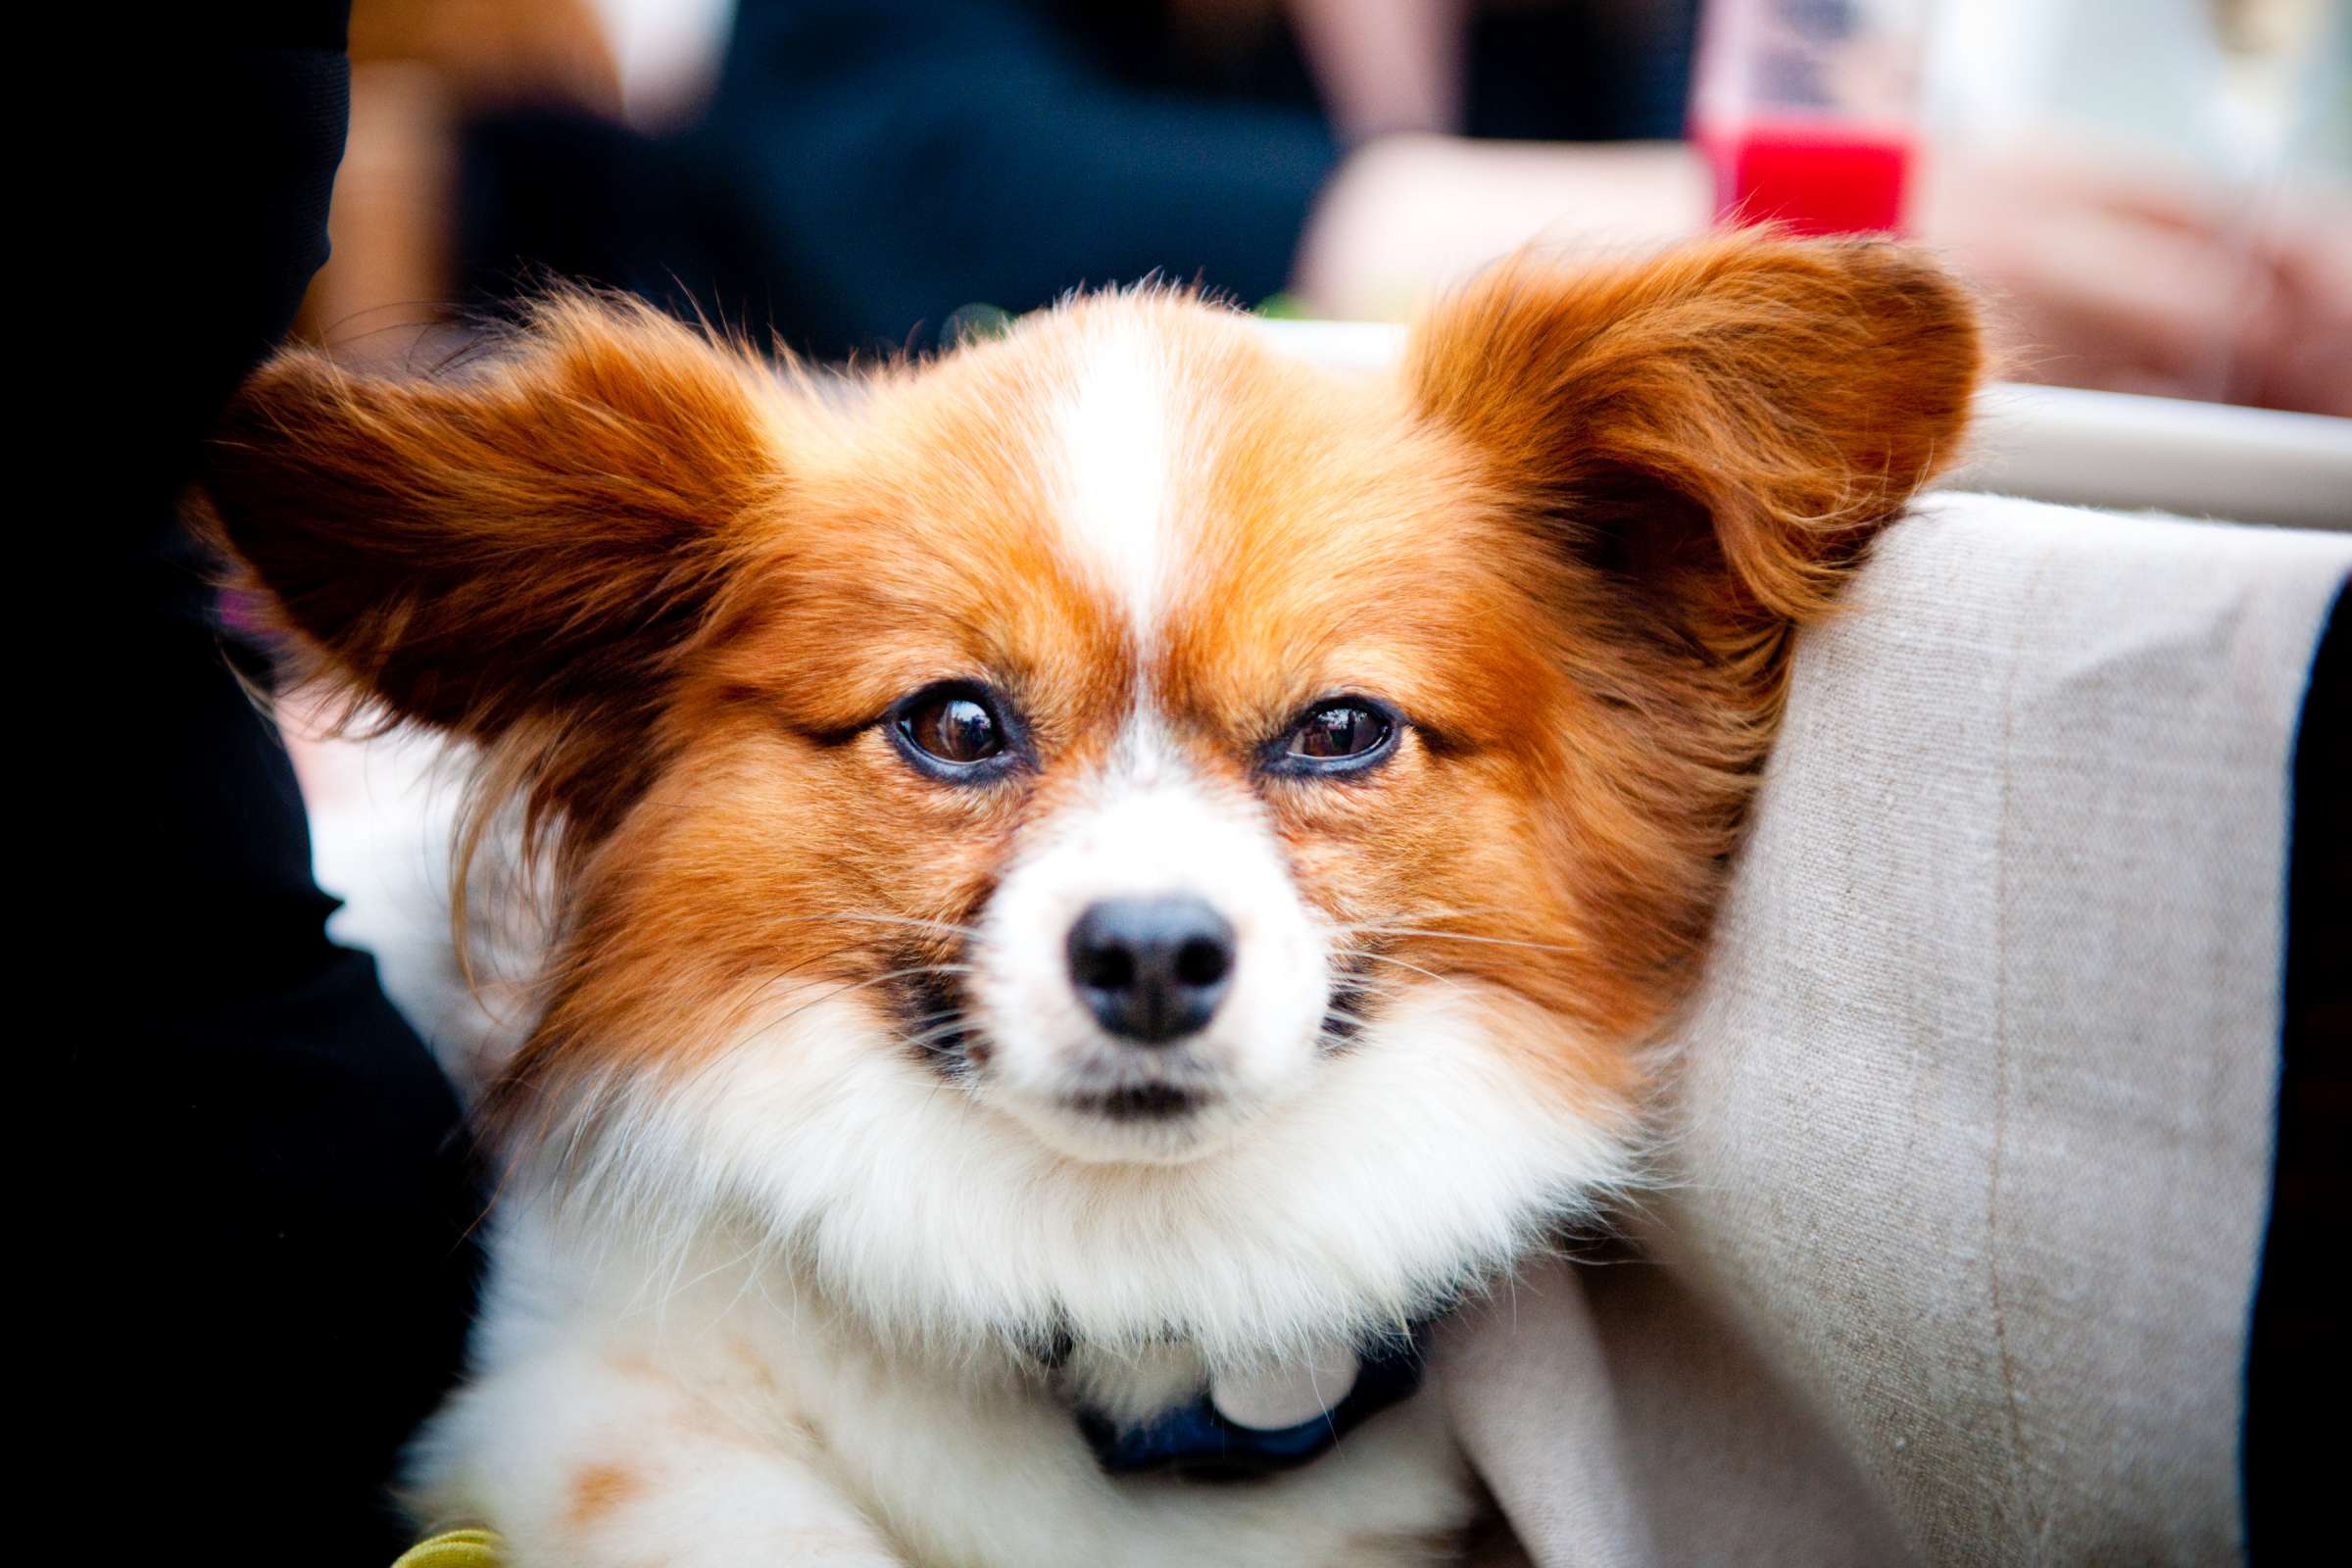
[(1719, 431), (535, 539)]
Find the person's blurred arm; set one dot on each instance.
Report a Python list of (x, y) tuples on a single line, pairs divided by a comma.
[(2095, 271), (2112, 270), (1406, 216), (906, 157)]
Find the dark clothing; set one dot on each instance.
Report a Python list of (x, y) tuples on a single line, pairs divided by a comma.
[(268, 1233), (868, 166), (2299, 1356)]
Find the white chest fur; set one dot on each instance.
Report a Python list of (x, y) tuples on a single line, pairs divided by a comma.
[(621, 1414)]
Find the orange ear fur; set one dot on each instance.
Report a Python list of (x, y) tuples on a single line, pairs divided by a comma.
[(1786, 397), (516, 554)]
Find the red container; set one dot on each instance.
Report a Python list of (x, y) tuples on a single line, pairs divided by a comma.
[(1807, 110), (1820, 176)]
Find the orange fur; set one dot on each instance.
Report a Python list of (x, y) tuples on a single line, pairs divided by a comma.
[(597, 1491)]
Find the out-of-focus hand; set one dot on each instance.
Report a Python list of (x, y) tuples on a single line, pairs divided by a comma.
[(391, 225), (2307, 363), (2104, 273), (1410, 214)]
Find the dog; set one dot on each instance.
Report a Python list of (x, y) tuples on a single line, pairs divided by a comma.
[(1099, 883)]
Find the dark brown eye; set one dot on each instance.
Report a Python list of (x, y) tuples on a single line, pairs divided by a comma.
[(954, 732), (953, 727), (1337, 736)]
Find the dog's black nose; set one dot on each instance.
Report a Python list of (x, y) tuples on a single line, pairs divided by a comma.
[(1153, 969)]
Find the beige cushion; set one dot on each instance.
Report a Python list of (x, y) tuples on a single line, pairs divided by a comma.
[(1970, 1163)]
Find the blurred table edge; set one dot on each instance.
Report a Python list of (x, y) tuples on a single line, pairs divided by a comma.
[(2049, 443)]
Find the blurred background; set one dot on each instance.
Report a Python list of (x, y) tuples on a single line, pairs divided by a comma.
[(2153, 195)]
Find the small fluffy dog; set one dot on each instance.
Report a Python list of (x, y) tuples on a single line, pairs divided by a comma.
[(1099, 883)]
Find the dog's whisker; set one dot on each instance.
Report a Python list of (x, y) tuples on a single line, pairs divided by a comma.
[(1390, 958), (931, 1036), (1424, 934), (969, 933), (1455, 913), (1484, 940)]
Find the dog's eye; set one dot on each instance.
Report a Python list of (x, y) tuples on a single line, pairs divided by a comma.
[(953, 730), (1340, 735)]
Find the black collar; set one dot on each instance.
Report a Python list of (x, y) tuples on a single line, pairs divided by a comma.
[(1197, 1440)]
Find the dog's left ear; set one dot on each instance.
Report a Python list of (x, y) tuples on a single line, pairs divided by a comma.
[(519, 554), (1719, 431), (537, 532)]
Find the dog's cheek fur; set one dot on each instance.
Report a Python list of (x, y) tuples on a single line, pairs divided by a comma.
[(760, 863)]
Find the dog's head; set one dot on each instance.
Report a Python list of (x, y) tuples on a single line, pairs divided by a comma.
[(1117, 801)]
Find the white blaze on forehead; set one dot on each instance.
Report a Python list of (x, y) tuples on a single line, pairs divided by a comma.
[(1116, 430)]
